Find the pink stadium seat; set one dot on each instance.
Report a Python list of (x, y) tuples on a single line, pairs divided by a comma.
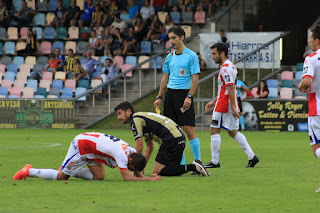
[(254, 91), (287, 75), (119, 60), (2, 69), (70, 83), (6, 83), (18, 83), (47, 75), (27, 92), (285, 93), (45, 84), (45, 47), (200, 17), (124, 68), (23, 32), (15, 91)]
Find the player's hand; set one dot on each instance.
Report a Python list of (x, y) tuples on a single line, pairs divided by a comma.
[(209, 105), (157, 103), (235, 113), (155, 177), (304, 90), (186, 103)]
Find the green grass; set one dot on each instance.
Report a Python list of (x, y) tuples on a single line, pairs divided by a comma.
[(284, 180)]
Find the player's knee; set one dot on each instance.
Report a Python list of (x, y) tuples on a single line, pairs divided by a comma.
[(98, 177), (62, 176)]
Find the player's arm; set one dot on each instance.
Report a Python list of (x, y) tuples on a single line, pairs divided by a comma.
[(210, 104), (305, 84), (149, 149), (193, 88), (232, 96), (127, 176), (139, 145), (163, 86)]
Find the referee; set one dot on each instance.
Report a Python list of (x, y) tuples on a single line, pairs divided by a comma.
[(181, 69)]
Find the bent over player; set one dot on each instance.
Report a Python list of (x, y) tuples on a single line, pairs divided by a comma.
[(226, 111), (311, 84), (155, 127), (93, 149)]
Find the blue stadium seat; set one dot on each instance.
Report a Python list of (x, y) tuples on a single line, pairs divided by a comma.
[(41, 91), (286, 83), (66, 93), (9, 47), (1, 46), (299, 66), (175, 16), (12, 68), (131, 60), (49, 32), (96, 74), (272, 83), (18, 60), (187, 17), (54, 91), (157, 62), (4, 91), (57, 84), (43, 60), (53, 4), (103, 58), (145, 46), (10, 76), (273, 92), (42, 5), (62, 32), (6, 60), (58, 44), (85, 83), (3, 33), (298, 75), (39, 19), (17, 4), (39, 32), (33, 83), (79, 91)]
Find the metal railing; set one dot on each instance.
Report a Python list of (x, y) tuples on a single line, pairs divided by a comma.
[(200, 101)]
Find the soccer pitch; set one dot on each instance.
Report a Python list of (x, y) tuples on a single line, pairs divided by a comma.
[(285, 180)]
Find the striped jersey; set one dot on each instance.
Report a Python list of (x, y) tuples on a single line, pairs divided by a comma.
[(103, 148), (227, 76), (311, 68)]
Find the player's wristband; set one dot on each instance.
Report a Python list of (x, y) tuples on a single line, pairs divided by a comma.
[(159, 97), (189, 96)]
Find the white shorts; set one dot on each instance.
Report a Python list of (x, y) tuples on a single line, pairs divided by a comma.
[(224, 120), (74, 162), (314, 129)]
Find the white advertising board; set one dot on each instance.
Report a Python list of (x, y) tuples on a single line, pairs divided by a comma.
[(241, 44)]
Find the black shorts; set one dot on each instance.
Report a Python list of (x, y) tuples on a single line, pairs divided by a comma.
[(240, 104), (170, 152), (173, 102)]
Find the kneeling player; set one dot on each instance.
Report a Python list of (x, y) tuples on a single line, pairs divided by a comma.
[(93, 149), (167, 133)]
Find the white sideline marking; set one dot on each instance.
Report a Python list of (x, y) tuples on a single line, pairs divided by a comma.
[(35, 146)]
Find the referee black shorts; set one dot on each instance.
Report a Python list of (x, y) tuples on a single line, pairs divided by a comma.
[(173, 102), (170, 152), (240, 104)]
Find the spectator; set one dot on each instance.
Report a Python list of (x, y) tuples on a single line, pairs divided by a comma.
[(69, 62), (92, 44), (118, 41), (307, 51), (89, 8), (133, 10), (223, 38), (97, 16), (202, 63), (4, 15), (140, 28), (159, 5), (155, 30), (241, 95), (78, 71), (24, 16), (130, 42), (184, 4), (60, 15), (107, 73), (31, 47), (53, 64), (72, 14), (263, 90), (58, 55), (111, 9), (118, 23), (168, 23), (89, 63), (147, 12)]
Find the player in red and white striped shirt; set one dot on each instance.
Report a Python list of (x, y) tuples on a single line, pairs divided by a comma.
[(226, 111), (94, 150), (311, 84)]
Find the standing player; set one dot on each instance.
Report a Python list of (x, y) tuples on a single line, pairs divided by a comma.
[(226, 112), (93, 149), (311, 83), (181, 69), (155, 127)]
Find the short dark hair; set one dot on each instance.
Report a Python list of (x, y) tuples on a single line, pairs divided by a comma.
[(124, 106), (316, 32), (70, 50), (220, 48), (179, 31), (138, 161)]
